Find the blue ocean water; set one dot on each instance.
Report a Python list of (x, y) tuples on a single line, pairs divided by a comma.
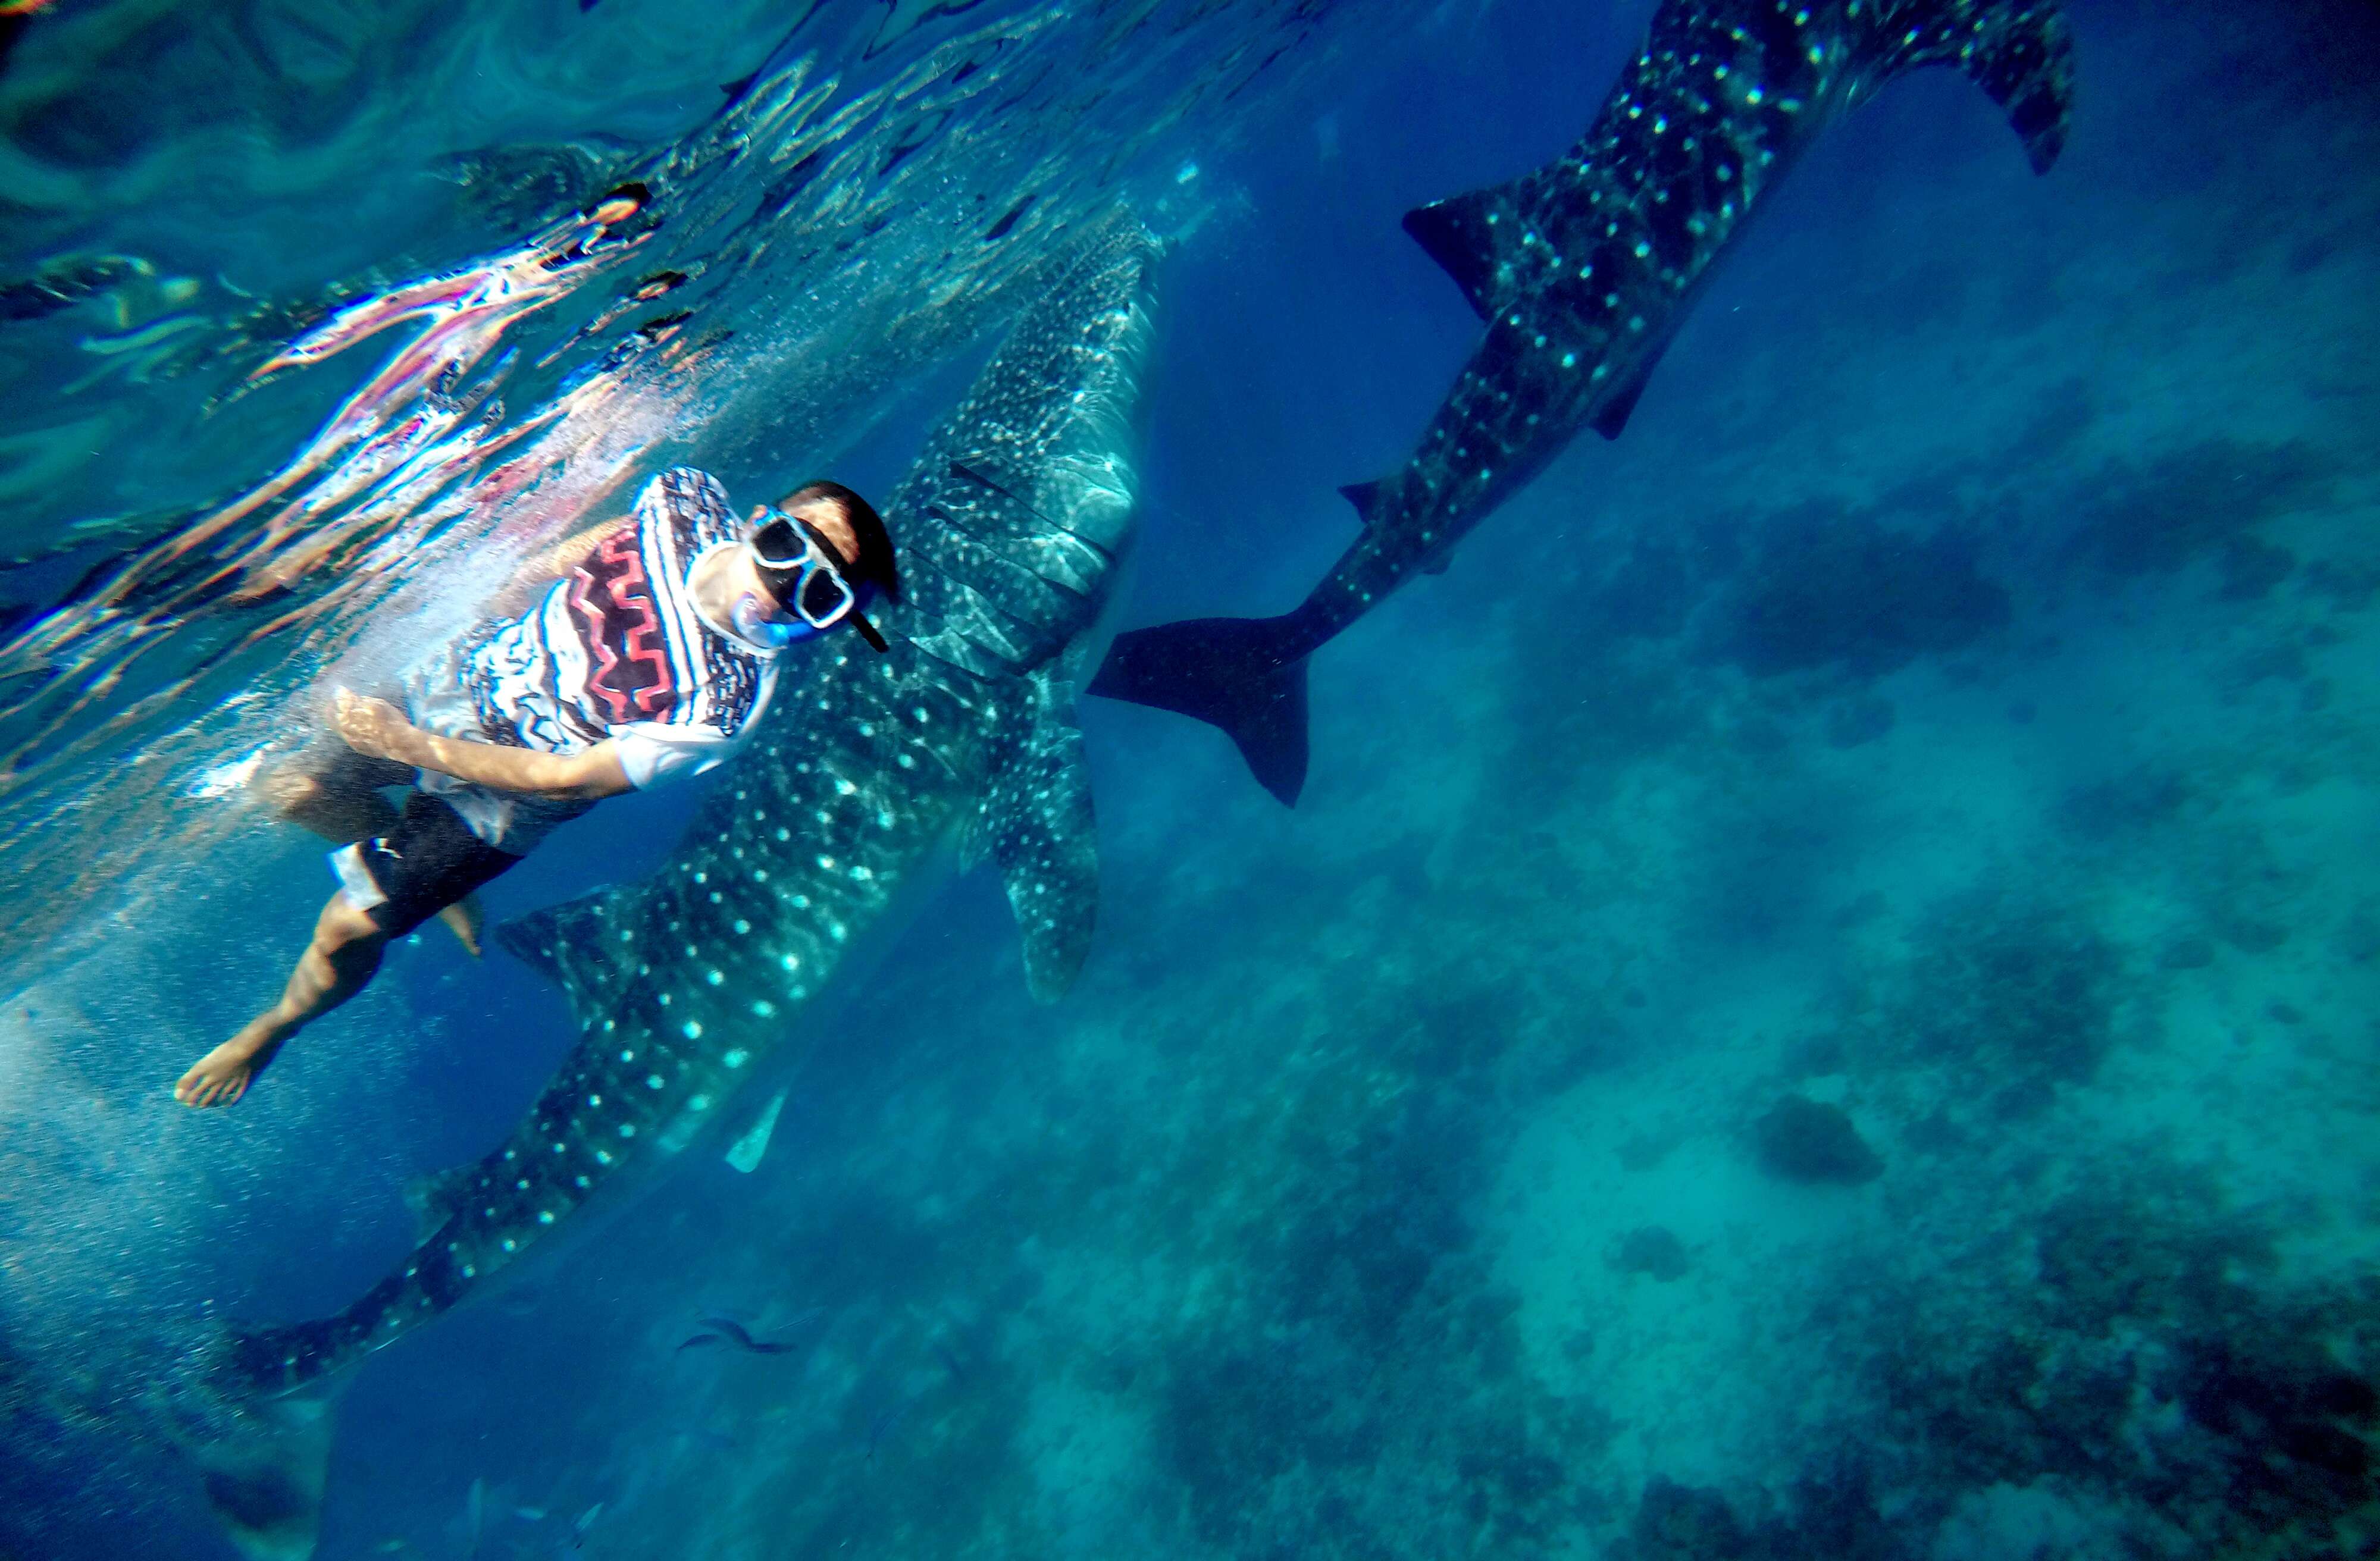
[(1817, 999)]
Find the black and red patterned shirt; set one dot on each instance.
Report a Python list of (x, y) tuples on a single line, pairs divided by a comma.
[(614, 649)]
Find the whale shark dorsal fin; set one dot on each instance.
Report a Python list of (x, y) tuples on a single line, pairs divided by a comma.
[(563, 943), (1616, 404), (1366, 497), (1462, 234), (434, 1197), (1035, 823)]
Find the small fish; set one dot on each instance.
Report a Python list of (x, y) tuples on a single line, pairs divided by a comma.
[(736, 1335), (620, 204)]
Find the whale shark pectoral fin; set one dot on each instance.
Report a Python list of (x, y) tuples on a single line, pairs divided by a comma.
[(1612, 418), (746, 1152), (1366, 497), (1616, 405), (2025, 64), (1035, 824), (1461, 233)]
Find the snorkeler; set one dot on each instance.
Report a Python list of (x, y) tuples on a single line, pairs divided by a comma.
[(649, 658)]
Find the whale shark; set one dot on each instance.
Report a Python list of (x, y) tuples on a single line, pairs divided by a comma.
[(1582, 271), (687, 985)]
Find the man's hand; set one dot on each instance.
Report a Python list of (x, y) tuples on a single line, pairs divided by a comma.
[(379, 729), (372, 727)]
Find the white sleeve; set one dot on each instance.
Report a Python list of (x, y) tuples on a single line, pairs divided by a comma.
[(653, 754)]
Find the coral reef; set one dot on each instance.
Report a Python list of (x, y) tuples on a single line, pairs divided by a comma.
[(1655, 1252), (1807, 1140), (2157, 1358), (1842, 589), (2208, 497), (2004, 1002)]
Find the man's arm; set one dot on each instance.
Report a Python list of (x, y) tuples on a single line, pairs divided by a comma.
[(377, 728)]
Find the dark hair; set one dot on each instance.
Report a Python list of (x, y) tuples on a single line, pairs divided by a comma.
[(875, 566)]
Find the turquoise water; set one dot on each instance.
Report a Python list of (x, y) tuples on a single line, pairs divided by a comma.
[(1817, 1001)]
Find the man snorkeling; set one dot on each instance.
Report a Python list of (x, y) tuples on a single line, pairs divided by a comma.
[(649, 656)]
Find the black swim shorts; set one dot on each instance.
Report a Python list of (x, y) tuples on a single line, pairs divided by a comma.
[(426, 864)]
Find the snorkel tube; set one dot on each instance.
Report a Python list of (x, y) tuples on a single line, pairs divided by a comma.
[(774, 632)]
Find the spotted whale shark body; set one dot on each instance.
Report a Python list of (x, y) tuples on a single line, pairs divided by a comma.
[(1581, 272), (1012, 527)]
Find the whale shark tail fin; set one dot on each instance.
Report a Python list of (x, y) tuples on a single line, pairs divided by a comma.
[(1246, 675), (262, 1453), (265, 1484)]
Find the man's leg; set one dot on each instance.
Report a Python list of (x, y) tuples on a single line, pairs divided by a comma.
[(336, 966), (339, 798), (392, 884), (464, 919)]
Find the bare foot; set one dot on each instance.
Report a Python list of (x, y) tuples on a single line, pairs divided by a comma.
[(463, 918), (222, 1076)]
